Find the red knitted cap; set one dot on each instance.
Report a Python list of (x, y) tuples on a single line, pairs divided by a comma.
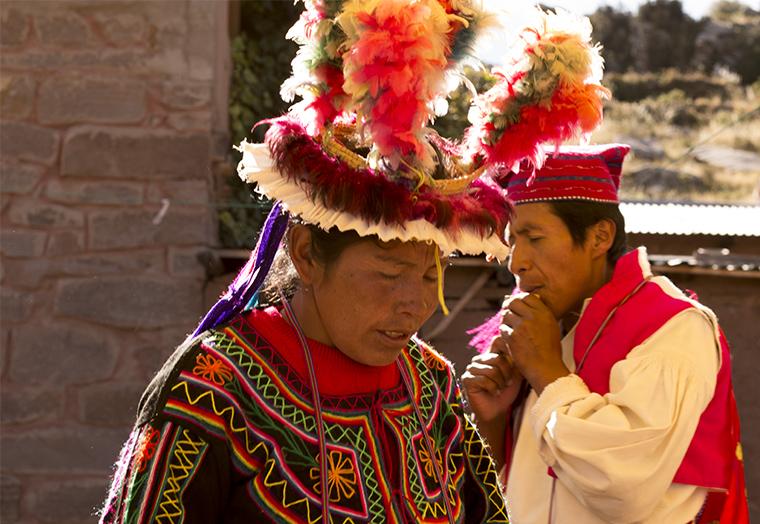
[(589, 173)]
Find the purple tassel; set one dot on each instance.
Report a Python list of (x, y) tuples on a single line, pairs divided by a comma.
[(252, 276)]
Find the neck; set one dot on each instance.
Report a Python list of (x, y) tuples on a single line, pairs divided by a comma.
[(308, 317), (600, 275)]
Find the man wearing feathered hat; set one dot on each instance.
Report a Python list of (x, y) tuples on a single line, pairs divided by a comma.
[(604, 391)]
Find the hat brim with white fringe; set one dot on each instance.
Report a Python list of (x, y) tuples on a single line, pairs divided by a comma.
[(323, 190)]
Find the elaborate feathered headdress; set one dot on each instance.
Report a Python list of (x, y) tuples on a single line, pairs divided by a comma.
[(357, 152)]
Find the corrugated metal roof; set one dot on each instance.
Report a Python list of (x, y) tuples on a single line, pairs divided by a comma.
[(691, 219), (708, 259)]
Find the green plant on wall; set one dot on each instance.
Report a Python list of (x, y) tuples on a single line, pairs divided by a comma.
[(452, 124), (261, 59)]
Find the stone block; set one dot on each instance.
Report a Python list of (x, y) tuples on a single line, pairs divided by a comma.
[(67, 502), (170, 26), (184, 95), (23, 405), (190, 121), (14, 305), (169, 60), (26, 273), (10, 497), (75, 99), (221, 150), (125, 229), (22, 243), (134, 153), (100, 193), (65, 451), (5, 342), (28, 142), (112, 404), (53, 61), (122, 29), (180, 192), (19, 179), (130, 301), (62, 29), (139, 262), (60, 354), (186, 262), (199, 44), (42, 214), (65, 243), (14, 27), (148, 356), (16, 96)]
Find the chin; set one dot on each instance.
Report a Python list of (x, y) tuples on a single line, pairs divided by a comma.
[(385, 356)]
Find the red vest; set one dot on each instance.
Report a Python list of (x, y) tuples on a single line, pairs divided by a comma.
[(637, 308)]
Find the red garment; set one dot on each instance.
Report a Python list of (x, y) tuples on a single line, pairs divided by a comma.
[(589, 173), (623, 314), (336, 373)]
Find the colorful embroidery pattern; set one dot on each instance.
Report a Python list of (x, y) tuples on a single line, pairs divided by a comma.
[(185, 455), (147, 447), (235, 392), (212, 369), (341, 477)]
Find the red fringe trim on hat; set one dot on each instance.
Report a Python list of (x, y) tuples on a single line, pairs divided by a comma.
[(374, 197)]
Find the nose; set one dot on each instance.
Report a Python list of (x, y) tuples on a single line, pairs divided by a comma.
[(416, 299), (519, 261)]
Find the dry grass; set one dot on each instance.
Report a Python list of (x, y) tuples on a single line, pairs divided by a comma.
[(675, 124)]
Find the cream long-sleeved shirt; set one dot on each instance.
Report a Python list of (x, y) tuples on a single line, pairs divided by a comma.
[(615, 455)]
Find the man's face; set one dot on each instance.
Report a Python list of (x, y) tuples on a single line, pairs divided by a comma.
[(545, 261)]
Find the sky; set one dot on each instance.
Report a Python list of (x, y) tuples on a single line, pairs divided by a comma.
[(515, 14), (695, 8)]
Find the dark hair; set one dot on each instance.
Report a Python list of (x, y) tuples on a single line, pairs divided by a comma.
[(326, 246), (579, 215)]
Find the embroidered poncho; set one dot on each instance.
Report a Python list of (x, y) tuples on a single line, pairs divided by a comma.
[(226, 433)]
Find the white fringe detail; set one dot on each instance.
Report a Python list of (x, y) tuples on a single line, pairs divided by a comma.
[(257, 167)]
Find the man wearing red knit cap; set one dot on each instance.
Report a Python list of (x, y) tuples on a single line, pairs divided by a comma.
[(604, 391)]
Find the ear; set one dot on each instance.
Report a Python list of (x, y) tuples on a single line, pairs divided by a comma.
[(602, 237), (299, 248)]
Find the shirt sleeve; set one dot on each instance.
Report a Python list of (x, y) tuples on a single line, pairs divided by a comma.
[(617, 453)]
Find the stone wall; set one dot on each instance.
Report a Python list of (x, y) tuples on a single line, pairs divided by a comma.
[(111, 111)]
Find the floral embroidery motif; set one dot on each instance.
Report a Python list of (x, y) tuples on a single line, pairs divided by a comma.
[(147, 448), (432, 361), (427, 463), (212, 369), (341, 477)]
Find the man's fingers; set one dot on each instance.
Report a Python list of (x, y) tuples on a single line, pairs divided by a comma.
[(473, 382), (509, 298), (498, 345), (511, 320), (502, 362), (494, 369), (523, 307)]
